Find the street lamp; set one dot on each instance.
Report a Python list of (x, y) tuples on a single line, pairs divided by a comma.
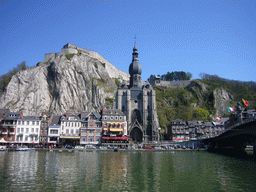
[(159, 129)]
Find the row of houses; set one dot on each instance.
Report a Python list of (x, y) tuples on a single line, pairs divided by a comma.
[(194, 130), (108, 126)]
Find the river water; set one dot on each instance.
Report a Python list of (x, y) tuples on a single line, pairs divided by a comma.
[(125, 171)]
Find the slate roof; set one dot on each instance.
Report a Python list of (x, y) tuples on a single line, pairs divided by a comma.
[(85, 114), (113, 112), (30, 118), (56, 120), (3, 112), (12, 116)]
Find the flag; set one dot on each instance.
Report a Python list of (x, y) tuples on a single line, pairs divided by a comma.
[(219, 119), (245, 102), (230, 109)]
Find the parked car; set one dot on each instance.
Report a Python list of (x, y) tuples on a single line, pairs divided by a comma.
[(102, 148), (69, 147), (90, 147), (79, 147), (148, 147), (130, 148), (112, 147)]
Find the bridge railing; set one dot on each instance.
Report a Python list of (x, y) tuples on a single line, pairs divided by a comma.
[(250, 119)]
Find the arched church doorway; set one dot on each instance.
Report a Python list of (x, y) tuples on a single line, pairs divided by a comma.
[(136, 135)]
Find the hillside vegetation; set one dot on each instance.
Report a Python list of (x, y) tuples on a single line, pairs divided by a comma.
[(196, 102)]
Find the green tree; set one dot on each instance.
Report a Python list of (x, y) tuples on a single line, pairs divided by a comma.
[(202, 114)]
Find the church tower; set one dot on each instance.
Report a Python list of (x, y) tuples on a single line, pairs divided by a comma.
[(137, 101)]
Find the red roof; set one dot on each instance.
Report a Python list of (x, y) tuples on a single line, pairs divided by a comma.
[(116, 138)]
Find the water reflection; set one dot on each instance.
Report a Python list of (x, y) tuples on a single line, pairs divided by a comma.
[(124, 171)]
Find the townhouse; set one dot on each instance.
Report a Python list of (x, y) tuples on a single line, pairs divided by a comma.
[(70, 128), (91, 127), (28, 130)]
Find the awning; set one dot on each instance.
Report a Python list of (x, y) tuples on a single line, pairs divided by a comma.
[(2, 140), (115, 129), (116, 138), (67, 137)]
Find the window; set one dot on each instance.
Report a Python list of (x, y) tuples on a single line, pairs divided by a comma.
[(26, 130), (111, 117), (33, 122), (37, 123), (75, 124), (27, 122), (22, 122), (120, 117), (116, 117), (72, 131), (22, 130), (26, 138), (18, 122), (36, 130), (32, 130), (105, 117), (54, 131), (67, 131)]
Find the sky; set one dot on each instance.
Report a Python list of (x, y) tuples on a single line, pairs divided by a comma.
[(215, 37)]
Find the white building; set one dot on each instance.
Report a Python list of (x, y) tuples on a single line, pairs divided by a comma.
[(28, 130), (70, 129), (54, 130)]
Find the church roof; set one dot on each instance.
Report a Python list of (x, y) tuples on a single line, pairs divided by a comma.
[(135, 67)]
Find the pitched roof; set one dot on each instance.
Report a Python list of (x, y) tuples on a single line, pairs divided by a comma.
[(12, 116), (55, 120), (3, 112)]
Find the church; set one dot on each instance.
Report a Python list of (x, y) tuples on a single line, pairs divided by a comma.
[(138, 102)]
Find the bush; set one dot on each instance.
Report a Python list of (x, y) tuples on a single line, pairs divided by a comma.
[(69, 56)]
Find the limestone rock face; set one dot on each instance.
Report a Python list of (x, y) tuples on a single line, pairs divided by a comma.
[(222, 97), (79, 82)]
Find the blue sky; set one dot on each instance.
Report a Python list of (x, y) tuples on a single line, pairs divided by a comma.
[(216, 37)]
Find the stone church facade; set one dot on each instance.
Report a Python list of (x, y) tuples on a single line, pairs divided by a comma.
[(138, 102)]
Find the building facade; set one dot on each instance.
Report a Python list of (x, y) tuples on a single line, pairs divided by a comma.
[(28, 130), (9, 126), (70, 128), (137, 101), (54, 131), (45, 122), (114, 128), (91, 127)]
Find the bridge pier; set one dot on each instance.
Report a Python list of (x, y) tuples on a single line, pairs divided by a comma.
[(254, 148)]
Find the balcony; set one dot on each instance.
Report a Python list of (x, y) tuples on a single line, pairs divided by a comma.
[(7, 125)]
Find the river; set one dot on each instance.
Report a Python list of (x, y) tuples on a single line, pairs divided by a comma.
[(125, 171)]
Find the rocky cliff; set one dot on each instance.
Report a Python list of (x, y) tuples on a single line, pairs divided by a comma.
[(75, 79)]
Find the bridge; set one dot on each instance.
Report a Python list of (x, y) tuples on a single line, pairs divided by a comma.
[(236, 137)]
